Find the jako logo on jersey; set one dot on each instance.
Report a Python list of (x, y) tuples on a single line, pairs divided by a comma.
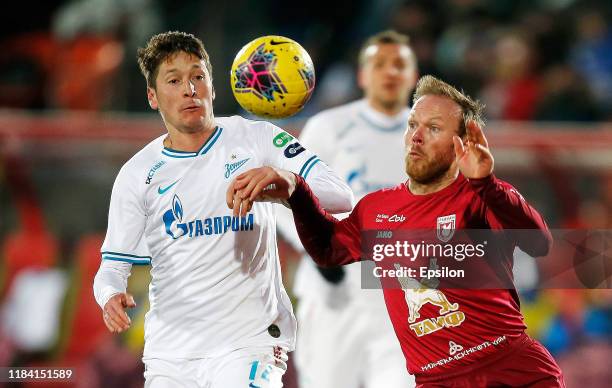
[(294, 150), (231, 168), (155, 167), (445, 227), (175, 228)]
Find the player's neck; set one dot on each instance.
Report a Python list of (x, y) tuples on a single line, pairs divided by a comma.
[(431, 187), (187, 141)]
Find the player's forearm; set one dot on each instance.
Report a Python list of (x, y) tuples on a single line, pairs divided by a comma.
[(333, 193), (511, 211), (111, 279), (316, 228)]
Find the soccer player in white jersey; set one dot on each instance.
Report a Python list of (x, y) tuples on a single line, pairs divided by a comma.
[(219, 315), (345, 339)]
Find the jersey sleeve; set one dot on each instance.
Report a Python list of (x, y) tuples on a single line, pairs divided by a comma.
[(328, 241), (126, 223), (506, 208), (286, 153), (111, 279)]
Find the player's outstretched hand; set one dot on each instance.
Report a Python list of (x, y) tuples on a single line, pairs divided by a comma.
[(474, 158), (259, 184), (114, 315)]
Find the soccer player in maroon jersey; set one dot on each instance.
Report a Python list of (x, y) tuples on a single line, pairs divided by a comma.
[(451, 337)]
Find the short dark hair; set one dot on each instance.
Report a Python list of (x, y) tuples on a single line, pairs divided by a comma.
[(383, 37), (161, 46), (471, 109)]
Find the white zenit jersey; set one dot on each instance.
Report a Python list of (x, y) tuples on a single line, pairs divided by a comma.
[(216, 282), (366, 149)]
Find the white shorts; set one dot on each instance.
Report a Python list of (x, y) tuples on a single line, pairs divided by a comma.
[(350, 347), (249, 367)]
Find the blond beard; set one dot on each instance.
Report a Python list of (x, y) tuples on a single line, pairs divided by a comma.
[(425, 172)]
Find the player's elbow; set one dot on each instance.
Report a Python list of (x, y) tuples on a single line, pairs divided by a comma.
[(540, 244), (546, 244), (334, 195), (346, 201), (343, 200)]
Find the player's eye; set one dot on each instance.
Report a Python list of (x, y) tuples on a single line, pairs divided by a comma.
[(173, 81), (200, 77), (411, 126), (434, 129)]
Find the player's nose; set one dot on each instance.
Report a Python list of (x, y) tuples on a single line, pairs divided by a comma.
[(415, 136), (391, 70), (190, 89)]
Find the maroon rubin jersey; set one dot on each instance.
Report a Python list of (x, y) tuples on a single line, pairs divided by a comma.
[(445, 331)]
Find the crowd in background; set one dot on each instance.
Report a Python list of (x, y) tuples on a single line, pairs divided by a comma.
[(543, 60), (527, 60)]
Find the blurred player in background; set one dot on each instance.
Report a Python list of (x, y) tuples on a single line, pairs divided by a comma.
[(482, 343), (219, 315), (345, 338)]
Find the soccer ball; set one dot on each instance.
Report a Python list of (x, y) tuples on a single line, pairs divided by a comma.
[(272, 77)]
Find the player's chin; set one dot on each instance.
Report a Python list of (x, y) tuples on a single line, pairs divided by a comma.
[(418, 170), (193, 124), (390, 97)]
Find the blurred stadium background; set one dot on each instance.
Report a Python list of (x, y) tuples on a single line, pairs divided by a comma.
[(73, 110)]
